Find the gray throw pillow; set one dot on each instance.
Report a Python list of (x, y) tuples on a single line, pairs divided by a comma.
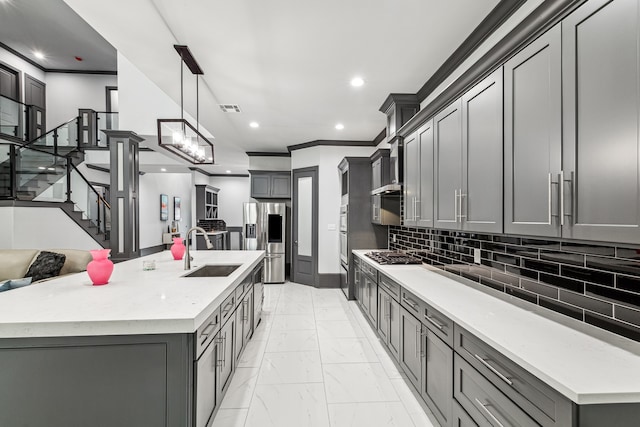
[(5, 286), (14, 284), (47, 264)]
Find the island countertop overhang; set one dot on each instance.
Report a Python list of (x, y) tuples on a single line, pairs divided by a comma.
[(134, 301)]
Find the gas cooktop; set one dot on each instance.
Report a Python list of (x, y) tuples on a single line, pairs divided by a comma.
[(388, 257)]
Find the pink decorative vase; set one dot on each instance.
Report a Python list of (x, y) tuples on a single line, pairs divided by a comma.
[(178, 248), (100, 269)]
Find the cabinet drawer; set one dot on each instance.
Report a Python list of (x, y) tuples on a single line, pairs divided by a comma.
[(239, 293), (390, 286), (541, 402), (486, 405), (206, 332), (412, 303), (227, 307), (438, 323), (460, 416), (370, 271)]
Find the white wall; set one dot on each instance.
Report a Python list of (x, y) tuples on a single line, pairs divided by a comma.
[(234, 191), (41, 228), (327, 159), (151, 186), (66, 93)]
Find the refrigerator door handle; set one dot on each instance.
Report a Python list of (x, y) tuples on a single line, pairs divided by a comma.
[(273, 256)]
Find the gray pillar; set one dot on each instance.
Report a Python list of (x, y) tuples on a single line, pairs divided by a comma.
[(125, 222)]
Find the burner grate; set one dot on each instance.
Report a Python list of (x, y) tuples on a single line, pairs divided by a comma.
[(386, 258)]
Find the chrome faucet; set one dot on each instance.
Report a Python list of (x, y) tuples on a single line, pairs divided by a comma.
[(187, 257)]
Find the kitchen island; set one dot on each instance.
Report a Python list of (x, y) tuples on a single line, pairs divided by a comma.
[(127, 353)]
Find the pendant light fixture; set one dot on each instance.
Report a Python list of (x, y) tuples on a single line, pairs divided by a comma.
[(178, 135)]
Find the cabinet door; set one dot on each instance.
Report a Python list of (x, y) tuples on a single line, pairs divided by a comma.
[(410, 351), (247, 313), (448, 166), (376, 174), (206, 369), (383, 315), (480, 202), (394, 328), (280, 186), (600, 69), (437, 377), (411, 178), (260, 186), (238, 336), (226, 361), (375, 209), (424, 206), (372, 293), (532, 137), (461, 418)]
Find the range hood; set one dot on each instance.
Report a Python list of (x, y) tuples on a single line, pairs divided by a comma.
[(387, 189), (392, 170)]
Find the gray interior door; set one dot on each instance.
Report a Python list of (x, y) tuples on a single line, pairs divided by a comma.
[(35, 96), (305, 226), (448, 166), (9, 83), (533, 137), (11, 118), (601, 151), (481, 200)]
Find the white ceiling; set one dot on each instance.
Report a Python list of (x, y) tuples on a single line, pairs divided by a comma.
[(53, 28), (286, 63)]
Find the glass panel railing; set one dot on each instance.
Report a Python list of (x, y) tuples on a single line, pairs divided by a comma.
[(90, 201), (13, 118), (61, 140), (105, 121), (40, 176), (6, 183)]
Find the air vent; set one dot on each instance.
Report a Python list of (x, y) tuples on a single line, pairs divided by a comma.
[(230, 108)]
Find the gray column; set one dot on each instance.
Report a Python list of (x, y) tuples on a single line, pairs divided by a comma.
[(125, 223)]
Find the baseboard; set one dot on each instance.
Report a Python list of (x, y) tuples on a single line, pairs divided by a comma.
[(152, 250), (328, 280)]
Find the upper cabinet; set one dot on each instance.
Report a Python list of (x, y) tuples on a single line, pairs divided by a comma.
[(206, 202), (532, 137), (448, 166), (468, 159), (270, 184), (480, 198), (600, 192), (418, 177)]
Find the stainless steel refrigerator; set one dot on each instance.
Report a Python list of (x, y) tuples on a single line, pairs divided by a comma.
[(265, 229)]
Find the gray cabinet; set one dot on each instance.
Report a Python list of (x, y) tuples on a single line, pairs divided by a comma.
[(244, 325), (418, 178), (389, 321), (270, 184), (460, 417), (226, 360), (206, 202), (368, 281), (480, 197), (385, 210), (206, 375), (448, 166), (532, 137), (258, 295), (380, 168), (410, 347), (437, 377), (601, 121)]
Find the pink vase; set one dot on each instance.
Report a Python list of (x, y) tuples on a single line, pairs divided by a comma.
[(178, 248), (101, 267)]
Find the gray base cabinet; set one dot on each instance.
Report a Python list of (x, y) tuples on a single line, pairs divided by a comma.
[(410, 347), (460, 417), (227, 360), (437, 380), (389, 322)]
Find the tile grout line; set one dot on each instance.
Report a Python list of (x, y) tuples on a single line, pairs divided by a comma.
[(324, 384)]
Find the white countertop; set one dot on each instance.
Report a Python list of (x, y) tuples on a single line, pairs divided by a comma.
[(583, 363), (133, 302)]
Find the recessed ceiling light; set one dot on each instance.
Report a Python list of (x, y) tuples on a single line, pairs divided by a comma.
[(357, 81), (228, 171), (254, 124), (38, 54), (339, 126), (163, 170)]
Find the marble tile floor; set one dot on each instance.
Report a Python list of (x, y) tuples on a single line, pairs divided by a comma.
[(315, 361)]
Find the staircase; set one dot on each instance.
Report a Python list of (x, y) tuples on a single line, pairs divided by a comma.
[(44, 171)]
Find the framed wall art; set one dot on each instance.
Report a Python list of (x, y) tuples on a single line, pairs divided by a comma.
[(177, 214), (164, 207)]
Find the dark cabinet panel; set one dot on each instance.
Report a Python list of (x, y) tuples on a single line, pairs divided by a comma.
[(448, 166), (410, 351), (532, 137), (206, 202), (480, 199), (418, 178), (437, 377), (227, 360), (205, 374), (460, 417), (411, 178), (601, 57), (270, 184)]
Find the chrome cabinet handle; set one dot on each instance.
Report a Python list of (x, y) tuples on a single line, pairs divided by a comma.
[(461, 195), (388, 308), (207, 331), (561, 184), (411, 303), (494, 370), (245, 313), (433, 322), (418, 349), (415, 208), (549, 196), (493, 417), (455, 204), (219, 361)]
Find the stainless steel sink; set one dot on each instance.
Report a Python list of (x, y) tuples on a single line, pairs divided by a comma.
[(213, 271)]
